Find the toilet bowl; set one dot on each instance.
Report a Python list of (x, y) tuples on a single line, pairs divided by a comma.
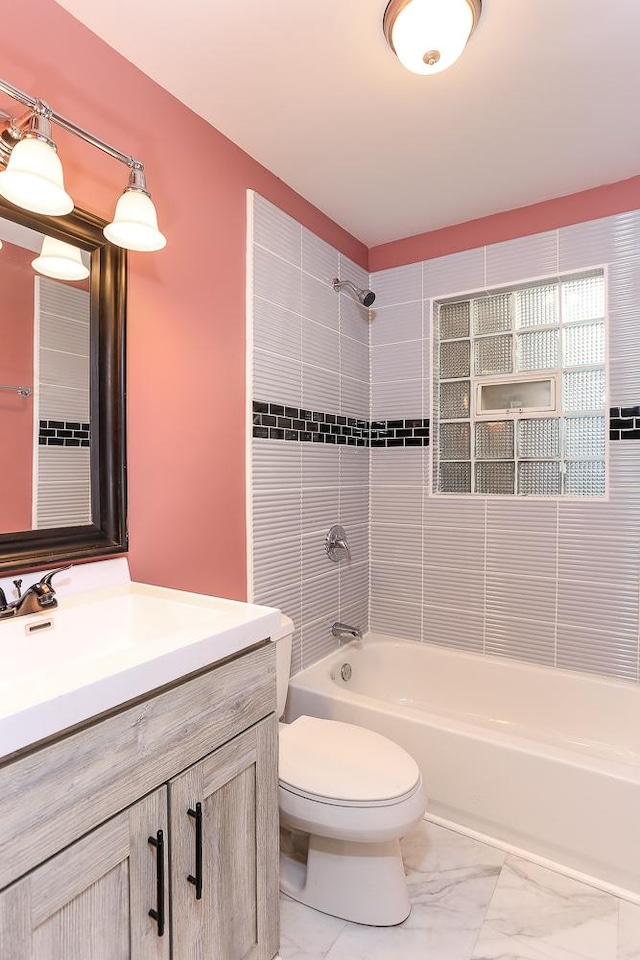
[(347, 795)]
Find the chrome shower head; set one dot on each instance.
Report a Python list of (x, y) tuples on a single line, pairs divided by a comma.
[(365, 297)]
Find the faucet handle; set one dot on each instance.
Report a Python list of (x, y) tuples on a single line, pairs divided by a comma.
[(335, 541), (48, 577)]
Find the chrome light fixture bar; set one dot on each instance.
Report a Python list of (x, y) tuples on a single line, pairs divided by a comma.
[(31, 173), (427, 36)]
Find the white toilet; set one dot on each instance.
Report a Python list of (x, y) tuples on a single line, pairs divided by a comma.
[(347, 795)]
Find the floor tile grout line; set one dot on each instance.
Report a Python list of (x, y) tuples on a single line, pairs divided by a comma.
[(487, 909)]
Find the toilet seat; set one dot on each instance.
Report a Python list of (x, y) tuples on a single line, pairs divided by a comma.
[(359, 804), (355, 823), (340, 764)]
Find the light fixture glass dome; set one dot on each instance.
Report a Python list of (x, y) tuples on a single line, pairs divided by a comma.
[(33, 178), (135, 223), (60, 260), (428, 36)]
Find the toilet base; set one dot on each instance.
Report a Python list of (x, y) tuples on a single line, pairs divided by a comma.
[(361, 882)]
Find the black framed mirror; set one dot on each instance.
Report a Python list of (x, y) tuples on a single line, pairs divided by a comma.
[(71, 416)]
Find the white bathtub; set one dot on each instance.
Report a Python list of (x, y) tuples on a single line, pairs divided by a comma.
[(545, 760)]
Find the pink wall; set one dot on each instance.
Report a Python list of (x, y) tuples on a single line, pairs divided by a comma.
[(577, 208), (186, 320), (16, 367)]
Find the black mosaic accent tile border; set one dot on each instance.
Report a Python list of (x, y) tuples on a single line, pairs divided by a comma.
[(624, 423), (400, 433), (273, 421), (64, 433)]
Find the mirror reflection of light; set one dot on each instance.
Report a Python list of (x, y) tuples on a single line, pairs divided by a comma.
[(60, 260)]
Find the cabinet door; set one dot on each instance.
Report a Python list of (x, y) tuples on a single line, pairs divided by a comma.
[(224, 851), (92, 900)]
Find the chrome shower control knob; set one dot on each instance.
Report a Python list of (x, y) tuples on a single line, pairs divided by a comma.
[(336, 544)]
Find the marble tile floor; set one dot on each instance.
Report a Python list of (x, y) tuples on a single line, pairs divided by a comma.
[(471, 901)]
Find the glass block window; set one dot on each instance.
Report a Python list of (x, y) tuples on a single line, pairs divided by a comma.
[(520, 387)]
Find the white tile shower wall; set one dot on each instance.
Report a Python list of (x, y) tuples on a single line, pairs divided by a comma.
[(555, 583), (310, 350)]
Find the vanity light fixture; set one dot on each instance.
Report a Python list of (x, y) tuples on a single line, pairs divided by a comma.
[(427, 36), (60, 260), (135, 222), (31, 174)]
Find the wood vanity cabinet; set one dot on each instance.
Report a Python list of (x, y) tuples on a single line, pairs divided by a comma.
[(191, 853), (91, 901)]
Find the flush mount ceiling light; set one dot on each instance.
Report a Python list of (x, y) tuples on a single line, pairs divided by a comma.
[(31, 174), (60, 260), (427, 36)]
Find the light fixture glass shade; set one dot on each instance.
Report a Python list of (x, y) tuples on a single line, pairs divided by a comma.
[(428, 36), (33, 179), (60, 260), (135, 223)]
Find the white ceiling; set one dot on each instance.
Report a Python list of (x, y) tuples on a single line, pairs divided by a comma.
[(542, 103)]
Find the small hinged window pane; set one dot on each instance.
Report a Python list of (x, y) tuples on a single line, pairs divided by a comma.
[(511, 396)]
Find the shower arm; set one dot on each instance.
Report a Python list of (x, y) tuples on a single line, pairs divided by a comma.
[(365, 297)]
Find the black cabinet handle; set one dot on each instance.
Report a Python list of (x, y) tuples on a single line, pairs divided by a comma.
[(197, 880), (158, 914)]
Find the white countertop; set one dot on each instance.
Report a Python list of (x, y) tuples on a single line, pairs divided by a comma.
[(109, 645)]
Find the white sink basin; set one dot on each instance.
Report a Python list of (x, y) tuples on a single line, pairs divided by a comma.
[(99, 649)]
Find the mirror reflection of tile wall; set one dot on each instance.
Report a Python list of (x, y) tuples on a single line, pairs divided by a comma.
[(62, 474)]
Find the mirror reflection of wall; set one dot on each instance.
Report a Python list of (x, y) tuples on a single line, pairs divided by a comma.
[(16, 369), (44, 338)]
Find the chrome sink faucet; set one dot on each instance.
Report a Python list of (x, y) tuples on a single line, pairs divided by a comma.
[(38, 598)]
